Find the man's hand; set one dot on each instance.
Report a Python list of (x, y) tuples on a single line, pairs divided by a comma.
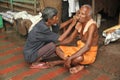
[(76, 17), (67, 63), (74, 21)]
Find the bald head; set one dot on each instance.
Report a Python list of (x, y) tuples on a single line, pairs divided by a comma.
[(85, 13), (87, 8)]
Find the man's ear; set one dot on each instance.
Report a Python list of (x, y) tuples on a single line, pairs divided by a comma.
[(54, 17)]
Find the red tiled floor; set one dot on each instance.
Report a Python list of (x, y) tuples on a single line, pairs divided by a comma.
[(17, 55)]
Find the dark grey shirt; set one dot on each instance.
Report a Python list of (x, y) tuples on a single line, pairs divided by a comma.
[(37, 38)]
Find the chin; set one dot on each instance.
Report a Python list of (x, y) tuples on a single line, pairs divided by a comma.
[(80, 21), (55, 24)]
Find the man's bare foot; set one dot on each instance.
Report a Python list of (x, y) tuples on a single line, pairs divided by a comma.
[(44, 65), (76, 69), (54, 63), (41, 65)]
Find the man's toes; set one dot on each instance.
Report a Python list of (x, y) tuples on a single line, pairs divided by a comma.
[(76, 69), (73, 70)]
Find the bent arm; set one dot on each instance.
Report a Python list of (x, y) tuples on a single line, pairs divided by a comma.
[(70, 38), (65, 34), (64, 24), (87, 44)]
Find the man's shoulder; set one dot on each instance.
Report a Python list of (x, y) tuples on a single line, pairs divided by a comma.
[(41, 25), (92, 23)]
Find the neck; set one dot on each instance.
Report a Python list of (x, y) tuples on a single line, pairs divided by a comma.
[(86, 22), (88, 19)]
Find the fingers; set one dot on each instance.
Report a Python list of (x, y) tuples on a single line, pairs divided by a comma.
[(67, 65)]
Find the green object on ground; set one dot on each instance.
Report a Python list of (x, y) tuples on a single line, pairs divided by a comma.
[(1, 22)]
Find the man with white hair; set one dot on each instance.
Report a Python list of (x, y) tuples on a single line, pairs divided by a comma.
[(75, 57)]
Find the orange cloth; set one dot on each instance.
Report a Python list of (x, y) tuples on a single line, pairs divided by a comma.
[(89, 56)]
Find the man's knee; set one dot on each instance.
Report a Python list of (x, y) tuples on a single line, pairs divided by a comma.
[(57, 48), (52, 45), (77, 60)]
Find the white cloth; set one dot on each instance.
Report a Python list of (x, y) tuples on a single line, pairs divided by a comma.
[(11, 16), (79, 28), (64, 0), (25, 15), (34, 19), (8, 16), (111, 36), (91, 21), (73, 6)]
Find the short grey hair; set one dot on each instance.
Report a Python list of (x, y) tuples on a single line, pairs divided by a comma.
[(87, 5), (48, 13)]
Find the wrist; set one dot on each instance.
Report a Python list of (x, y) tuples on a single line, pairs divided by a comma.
[(70, 58)]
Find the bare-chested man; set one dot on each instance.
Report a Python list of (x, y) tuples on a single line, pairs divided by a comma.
[(75, 57)]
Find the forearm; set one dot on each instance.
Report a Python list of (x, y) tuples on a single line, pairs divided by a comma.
[(65, 34), (66, 41), (80, 52), (64, 24)]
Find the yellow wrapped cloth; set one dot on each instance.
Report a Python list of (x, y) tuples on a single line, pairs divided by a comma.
[(89, 56)]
